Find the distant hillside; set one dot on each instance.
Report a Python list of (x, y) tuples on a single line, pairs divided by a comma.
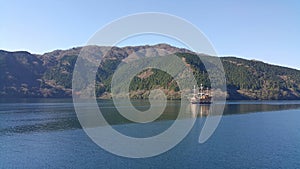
[(251, 79), (50, 75)]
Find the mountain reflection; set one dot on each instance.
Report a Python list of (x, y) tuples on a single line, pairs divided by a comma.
[(53, 115)]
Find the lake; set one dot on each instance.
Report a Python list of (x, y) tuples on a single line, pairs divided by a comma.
[(45, 133)]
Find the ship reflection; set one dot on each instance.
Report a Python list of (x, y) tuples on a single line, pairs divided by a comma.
[(198, 110)]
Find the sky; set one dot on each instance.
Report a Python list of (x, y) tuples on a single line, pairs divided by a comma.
[(263, 30)]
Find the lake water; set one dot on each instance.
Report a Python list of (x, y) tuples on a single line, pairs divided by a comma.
[(45, 133)]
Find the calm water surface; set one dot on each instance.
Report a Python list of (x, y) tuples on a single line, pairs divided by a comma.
[(45, 133)]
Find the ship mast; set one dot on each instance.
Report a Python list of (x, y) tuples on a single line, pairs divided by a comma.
[(195, 92), (201, 90)]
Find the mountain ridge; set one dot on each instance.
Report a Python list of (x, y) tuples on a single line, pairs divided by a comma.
[(49, 75)]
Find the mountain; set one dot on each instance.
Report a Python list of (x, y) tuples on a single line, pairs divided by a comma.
[(50, 75)]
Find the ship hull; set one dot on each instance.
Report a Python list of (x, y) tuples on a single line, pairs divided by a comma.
[(201, 102)]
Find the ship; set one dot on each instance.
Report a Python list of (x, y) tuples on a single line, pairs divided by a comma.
[(200, 97)]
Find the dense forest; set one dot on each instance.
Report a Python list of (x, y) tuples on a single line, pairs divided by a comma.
[(50, 75)]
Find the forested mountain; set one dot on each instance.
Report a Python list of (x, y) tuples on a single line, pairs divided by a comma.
[(50, 75)]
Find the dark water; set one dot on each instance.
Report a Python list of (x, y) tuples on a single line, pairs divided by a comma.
[(45, 133)]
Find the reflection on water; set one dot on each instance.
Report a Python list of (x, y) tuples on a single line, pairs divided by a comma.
[(45, 133), (199, 110), (44, 115), (259, 106)]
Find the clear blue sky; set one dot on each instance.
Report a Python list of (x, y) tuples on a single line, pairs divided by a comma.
[(264, 30)]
